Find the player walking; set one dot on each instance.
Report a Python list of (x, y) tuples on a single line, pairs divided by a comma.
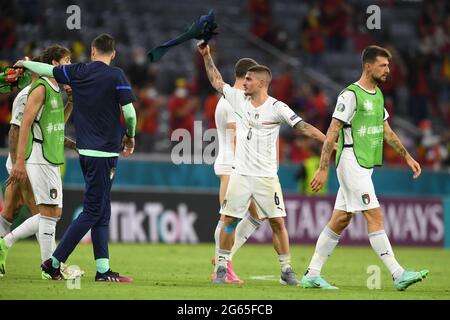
[(40, 153), (360, 121)]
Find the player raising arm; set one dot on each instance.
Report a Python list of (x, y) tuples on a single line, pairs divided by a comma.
[(258, 119)]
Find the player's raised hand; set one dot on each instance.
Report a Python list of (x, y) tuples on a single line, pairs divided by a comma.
[(203, 48), (319, 180), (128, 146), (415, 166)]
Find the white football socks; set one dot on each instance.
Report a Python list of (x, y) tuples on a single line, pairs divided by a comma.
[(47, 229), (382, 247), (325, 245), (244, 230), (25, 230), (223, 258), (285, 261), (217, 238)]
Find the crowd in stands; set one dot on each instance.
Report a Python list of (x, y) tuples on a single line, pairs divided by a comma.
[(420, 73)]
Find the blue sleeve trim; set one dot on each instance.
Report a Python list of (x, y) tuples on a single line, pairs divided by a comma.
[(123, 88), (65, 73)]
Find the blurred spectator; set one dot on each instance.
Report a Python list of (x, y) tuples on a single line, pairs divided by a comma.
[(78, 50), (397, 76), (431, 152), (283, 85), (303, 102), (261, 19), (428, 26), (300, 149), (320, 102), (335, 17), (209, 109), (312, 38), (148, 105), (420, 90), (181, 107)]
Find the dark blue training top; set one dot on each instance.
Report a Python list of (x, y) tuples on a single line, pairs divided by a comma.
[(98, 92)]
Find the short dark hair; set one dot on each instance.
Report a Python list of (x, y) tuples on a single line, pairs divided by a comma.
[(259, 68), (54, 52), (242, 66), (104, 43), (371, 53)]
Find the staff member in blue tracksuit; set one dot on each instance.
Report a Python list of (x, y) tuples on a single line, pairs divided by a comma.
[(100, 93)]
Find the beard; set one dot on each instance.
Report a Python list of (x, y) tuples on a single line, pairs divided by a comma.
[(379, 80)]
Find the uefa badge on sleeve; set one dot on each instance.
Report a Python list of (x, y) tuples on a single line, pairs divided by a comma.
[(365, 198)]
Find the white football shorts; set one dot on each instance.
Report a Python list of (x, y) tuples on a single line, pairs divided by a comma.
[(265, 191)]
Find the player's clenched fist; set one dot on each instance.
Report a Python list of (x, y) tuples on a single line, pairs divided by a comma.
[(203, 48)]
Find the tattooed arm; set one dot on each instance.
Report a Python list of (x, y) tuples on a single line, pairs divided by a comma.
[(214, 75), (321, 174), (392, 139), (310, 131), (13, 138)]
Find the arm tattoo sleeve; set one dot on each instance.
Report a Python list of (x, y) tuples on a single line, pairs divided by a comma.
[(328, 146), (214, 75), (392, 139), (13, 139), (309, 130)]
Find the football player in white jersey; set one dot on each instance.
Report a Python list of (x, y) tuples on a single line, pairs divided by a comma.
[(223, 167), (21, 193), (258, 120)]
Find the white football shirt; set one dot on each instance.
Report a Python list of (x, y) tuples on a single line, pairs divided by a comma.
[(17, 113), (224, 115), (257, 130)]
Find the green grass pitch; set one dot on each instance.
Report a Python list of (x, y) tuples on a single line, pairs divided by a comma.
[(182, 272)]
